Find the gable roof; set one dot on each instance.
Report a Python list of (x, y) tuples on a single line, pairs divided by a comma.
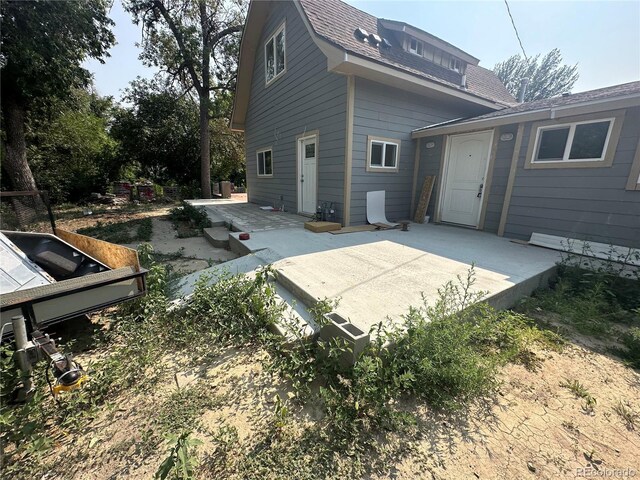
[(335, 21), (331, 24), (607, 98)]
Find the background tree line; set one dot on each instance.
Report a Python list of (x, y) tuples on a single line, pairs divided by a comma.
[(58, 134)]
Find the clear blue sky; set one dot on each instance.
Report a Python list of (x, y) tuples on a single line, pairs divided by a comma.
[(602, 37)]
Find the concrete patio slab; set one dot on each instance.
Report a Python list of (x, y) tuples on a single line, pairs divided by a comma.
[(381, 274), (248, 217)]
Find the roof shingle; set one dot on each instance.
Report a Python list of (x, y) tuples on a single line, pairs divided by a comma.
[(336, 21)]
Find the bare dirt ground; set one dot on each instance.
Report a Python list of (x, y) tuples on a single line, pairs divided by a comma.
[(533, 428), (192, 254)]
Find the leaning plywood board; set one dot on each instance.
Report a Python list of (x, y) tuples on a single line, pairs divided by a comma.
[(425, 196), (602, 251), (112, 255)]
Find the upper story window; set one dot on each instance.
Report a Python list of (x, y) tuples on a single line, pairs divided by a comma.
[(274, 54), (415, 46), (573, 142)]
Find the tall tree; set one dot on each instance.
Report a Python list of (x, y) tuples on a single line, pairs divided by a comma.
[(44, 43), (182, 37), (547, 76)]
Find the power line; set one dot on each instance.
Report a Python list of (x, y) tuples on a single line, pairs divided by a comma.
[(516, 30)]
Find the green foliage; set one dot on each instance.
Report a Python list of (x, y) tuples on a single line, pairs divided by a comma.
[(70, 149), (580, 391), (593, 295), (121, 232), (547, 76), (188, 220), (631, 342), (48, 41), (158, 133), (180, 463)]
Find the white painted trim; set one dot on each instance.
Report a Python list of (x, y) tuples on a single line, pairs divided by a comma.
[(445, 173), (300, 139), (569, 144), (281, 28), (382, 168), (259, 151)]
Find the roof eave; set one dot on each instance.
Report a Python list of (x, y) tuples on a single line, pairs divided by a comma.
[(547, 113), (352, 63)]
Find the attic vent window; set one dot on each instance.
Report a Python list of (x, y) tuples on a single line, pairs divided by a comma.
[(374, 39), (361, 34), (385, 43), (415, 46)]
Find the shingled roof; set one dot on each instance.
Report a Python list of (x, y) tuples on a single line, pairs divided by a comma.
[(599, 95), (336, 21)]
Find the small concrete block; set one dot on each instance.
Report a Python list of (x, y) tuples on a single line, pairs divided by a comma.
[(319, 227), (338, 327)]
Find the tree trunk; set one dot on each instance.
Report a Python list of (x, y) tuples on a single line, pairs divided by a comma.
[(205, 163), (15, 163), (205, 151)]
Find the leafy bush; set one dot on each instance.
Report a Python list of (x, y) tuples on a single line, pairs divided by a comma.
[(188, 220), (593, 295)]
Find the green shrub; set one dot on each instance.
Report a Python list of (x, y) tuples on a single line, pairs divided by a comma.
[(188, 220)]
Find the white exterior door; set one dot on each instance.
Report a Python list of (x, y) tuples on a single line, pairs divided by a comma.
[(466, 167), (307, 170)]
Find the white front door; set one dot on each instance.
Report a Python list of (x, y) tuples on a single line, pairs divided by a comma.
[(307, 170), (465, 170)]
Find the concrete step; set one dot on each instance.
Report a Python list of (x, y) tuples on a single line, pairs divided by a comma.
[(215, 219), (239, 246), (297, 322), (217, 236)]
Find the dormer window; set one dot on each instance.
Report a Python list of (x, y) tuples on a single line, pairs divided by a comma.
[(455, 64), (415, 46), (274, 55)]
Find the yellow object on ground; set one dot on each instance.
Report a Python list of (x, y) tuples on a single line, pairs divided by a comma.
[(319, 227)]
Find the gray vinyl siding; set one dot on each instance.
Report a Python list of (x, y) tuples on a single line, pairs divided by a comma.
[(305, 98), (388, 112), (499, 178), (584, 203), (430, 166)]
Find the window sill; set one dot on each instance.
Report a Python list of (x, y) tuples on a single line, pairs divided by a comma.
[(274, 79), (382, 169), (567, 164)]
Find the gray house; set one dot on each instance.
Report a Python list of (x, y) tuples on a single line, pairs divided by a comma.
[(335, 103)]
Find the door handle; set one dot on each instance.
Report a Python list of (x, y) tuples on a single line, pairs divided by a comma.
[(480, 190)]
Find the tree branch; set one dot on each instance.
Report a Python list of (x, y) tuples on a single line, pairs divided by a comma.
[(181, 45)]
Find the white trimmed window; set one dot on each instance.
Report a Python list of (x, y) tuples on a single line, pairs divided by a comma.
[(383, 155), (274, 55), (415, 46), (573, 142), (265, 162)]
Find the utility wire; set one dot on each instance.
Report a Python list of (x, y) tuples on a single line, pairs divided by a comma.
[(516, 30)]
